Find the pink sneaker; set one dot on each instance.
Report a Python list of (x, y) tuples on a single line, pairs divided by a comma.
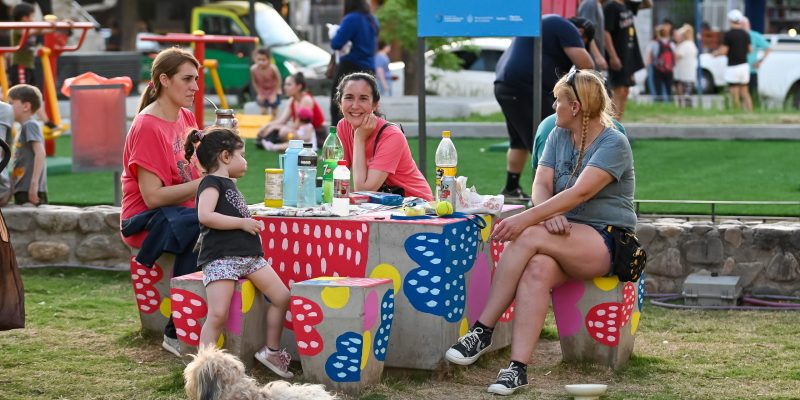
[(276, 361)]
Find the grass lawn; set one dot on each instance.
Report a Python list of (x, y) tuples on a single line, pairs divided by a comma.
[(666, 114), (82, 341), (665, 169)]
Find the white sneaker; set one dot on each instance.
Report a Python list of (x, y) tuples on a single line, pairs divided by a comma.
[(171, 345), (276, 361)]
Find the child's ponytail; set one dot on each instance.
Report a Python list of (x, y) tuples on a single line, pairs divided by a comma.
[(195, 136)]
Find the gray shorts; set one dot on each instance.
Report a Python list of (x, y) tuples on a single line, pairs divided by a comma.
[(231, 268)]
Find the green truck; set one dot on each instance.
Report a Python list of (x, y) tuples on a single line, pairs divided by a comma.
[(289, 53)]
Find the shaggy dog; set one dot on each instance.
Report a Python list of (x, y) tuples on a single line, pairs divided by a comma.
[(217, 375)]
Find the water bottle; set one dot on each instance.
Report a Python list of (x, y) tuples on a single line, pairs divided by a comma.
[(307, 177), (332, 152), (446, 161), (288, 162), (341, 189)]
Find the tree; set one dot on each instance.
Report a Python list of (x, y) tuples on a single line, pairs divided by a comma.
[(398, 22)]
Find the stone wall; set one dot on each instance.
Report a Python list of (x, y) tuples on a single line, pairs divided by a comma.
[(67, 236), (765, 256)]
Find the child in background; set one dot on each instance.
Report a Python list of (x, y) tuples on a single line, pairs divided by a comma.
[(305, 132), (6, 121), (29, 175), (266, 81), (382, 72), (230, 245)]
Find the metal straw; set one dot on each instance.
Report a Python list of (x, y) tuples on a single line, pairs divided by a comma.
[(212, 103)]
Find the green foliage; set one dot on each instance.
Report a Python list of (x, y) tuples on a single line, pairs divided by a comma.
[(398, 21)]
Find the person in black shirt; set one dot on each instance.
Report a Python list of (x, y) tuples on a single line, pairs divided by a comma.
[(230, 245), (736, 45), (624, 55)]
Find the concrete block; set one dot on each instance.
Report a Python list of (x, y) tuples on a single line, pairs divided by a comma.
[(246, 328), (342, 327), (151, 287), (597, 319)]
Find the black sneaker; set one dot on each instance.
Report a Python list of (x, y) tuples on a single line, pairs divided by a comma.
[(509, 380), (469, 347), (516, 196)]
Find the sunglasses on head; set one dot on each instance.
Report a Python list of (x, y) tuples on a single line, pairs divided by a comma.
[(571, 82)]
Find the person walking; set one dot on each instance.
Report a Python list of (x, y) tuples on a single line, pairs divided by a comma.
[(624, 55), (736, 45)]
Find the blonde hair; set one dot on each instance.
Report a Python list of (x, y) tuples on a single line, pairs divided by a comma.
[(594, 100), (167, 62), (687, 32)]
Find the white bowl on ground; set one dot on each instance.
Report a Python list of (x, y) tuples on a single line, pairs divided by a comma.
[(586, 391)]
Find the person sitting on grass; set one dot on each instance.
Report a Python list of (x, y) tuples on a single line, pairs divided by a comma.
[(305, 132), (30, 172), (583, 187), (230, 245), (288, 122)]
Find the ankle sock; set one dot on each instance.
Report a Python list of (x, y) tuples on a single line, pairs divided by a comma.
[(487, 331), (518, 365), (512, 180)]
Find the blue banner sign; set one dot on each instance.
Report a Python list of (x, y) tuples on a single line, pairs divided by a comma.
[(476, 18)]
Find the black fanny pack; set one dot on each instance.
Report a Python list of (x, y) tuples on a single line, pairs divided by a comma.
[(629, 258)]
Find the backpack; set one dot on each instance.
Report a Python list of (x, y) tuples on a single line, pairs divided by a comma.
[(665, 61)]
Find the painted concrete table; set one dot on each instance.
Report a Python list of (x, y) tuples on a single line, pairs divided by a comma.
[(441, 271)]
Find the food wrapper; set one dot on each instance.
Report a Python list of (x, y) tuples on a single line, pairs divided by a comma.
[(469, 201)]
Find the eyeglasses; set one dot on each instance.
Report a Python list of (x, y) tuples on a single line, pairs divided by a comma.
[(571, 82)]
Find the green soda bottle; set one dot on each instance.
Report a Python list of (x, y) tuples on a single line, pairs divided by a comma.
[(332, 152)]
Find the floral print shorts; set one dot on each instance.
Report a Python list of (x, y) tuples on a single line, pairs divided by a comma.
[(231, 268)]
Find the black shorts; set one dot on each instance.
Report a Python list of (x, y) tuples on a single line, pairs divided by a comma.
[(517, 108), (620, 78)]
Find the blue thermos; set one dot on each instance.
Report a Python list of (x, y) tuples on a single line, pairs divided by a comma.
[(288, 162)]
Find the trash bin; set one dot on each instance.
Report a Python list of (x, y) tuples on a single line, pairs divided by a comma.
[(97, 114)]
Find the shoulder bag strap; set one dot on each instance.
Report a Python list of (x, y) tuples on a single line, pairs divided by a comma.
[(378, 137)]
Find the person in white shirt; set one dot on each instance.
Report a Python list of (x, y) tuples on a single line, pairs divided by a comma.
[(685, 65)]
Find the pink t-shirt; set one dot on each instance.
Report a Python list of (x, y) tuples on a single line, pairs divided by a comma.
[(392, 156), (157, 146)]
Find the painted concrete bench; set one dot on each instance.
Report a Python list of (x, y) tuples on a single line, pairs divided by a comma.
[(597, 319), (342, 328), (151, 288), (245, 331)]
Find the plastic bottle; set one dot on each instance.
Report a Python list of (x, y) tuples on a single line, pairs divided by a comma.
[(307, 177), (446, 161), (332, 151), (341, 189), (288, 162)]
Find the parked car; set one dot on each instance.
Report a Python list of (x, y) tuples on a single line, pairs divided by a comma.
[(779, 75), (479, 57)]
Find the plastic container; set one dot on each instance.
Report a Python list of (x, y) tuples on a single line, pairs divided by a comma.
[(446, 161), (288, 162), (273, 187), (341, 189), (307, 177), (332, 151)]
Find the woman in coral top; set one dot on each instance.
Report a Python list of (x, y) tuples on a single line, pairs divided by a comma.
[(158, 185), (390, 161)]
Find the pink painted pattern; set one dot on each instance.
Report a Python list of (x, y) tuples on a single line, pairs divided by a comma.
[(565, 307), (480, 283), (371, 310), (234, 322)]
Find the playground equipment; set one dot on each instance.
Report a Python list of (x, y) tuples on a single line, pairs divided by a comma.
[(198, 40), (55, 43)]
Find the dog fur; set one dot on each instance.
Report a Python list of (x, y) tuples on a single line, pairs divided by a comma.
[(215, 374)]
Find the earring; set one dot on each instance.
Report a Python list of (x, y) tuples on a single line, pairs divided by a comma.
[(574, 114)]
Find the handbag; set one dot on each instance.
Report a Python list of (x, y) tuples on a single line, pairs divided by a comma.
[(385, 188), (12, 293), (630, 257), (330, 71)]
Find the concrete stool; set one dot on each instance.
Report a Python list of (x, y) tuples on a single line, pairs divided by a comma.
[(342, 328), (151, 287), (245, 331), (597, 319)]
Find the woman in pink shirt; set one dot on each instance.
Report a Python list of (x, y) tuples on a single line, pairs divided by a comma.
[(158, 184), (389, 161)]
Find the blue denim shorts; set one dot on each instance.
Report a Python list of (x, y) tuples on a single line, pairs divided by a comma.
[(608, 239)]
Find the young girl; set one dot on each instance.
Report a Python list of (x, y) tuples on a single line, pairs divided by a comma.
[(229, 244), (266, 80), (305, 132)]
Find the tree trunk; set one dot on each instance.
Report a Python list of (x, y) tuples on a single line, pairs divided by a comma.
[(128, 15), (410, 78)]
